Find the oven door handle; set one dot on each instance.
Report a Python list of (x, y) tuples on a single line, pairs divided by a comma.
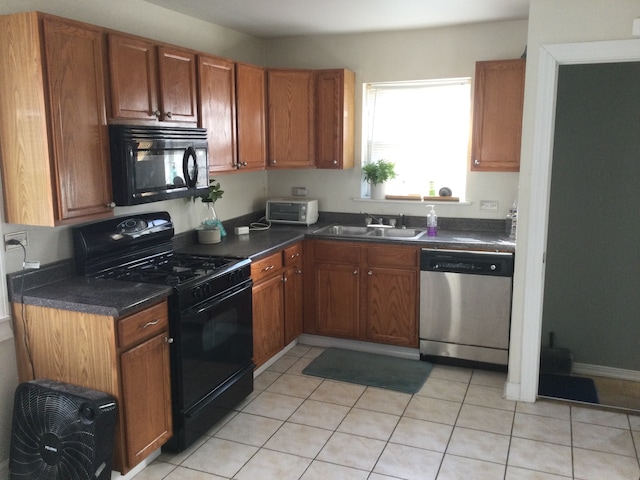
[(209, 303)]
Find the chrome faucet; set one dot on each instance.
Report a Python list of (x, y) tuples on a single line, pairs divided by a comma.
[(375, 221)]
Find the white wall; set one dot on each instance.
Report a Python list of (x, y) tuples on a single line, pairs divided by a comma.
[(245, 193), (551, 22), (396, 56)]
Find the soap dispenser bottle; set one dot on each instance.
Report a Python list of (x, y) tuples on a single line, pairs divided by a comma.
[(432, 222)]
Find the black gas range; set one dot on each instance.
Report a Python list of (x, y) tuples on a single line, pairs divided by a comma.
[(210, 313)]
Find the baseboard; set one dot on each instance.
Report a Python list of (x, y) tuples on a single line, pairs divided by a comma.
[(274, 359), (392, 350), (512, 391), (137, 469), (609, 372)]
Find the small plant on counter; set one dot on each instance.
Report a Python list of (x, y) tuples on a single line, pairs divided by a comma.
[(378, 172), (211, 220)]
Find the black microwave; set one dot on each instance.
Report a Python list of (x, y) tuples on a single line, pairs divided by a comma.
[(152, 163)]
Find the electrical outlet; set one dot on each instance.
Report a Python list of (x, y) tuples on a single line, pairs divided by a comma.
[(299, 191), (489, 205), (19, 236)]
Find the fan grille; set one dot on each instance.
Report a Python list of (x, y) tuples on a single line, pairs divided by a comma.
[(53, 435)]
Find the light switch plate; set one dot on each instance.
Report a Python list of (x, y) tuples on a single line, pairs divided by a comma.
[(489, 205)]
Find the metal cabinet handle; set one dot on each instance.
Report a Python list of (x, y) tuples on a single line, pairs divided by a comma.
[(168, 339), (294, 255), (267, 268), (335, 162), (369, 272), (298, 272), (355, 272), (273, 162), (476, 162), (156, 113), (284, 279), (111, 205), (168, 115), (151, 323)]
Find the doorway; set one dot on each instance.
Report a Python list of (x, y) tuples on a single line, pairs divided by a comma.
[(592, 275)]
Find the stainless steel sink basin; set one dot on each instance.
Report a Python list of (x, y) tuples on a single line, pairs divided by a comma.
[(406, 233), (344, 231), (360, 231)]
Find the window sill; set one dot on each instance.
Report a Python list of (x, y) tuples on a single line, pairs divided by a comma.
[(414, 202)]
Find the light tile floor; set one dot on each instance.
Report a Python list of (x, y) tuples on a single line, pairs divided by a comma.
[(457, 426)]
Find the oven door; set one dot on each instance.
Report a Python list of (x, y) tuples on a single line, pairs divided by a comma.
[(215, 342)]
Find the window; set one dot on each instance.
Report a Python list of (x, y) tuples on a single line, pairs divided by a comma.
[(423, 127)]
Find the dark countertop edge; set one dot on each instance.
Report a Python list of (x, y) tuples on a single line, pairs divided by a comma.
[(106, 310), (37, 286)]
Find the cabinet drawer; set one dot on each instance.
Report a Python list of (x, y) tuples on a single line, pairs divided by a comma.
[(142, 325), (336, 252), (392, 256), (292, 254), (266, 267)]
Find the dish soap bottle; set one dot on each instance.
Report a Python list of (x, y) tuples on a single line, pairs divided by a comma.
[(432, 222)]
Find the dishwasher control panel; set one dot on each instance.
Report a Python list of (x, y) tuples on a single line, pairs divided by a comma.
[(471, 262)]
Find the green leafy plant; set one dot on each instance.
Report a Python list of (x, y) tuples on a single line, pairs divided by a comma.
[(379, 171), (215, 192)]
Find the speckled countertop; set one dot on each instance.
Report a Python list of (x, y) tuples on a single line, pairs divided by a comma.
[(57, 286)]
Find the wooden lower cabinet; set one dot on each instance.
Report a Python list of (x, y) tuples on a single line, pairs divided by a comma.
[(125, 357), (277, 302), (362, 291)]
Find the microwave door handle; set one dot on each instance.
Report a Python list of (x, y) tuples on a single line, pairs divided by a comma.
[(190, 152)]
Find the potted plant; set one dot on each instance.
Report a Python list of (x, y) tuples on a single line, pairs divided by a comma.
[(211, 229), (376, 174)]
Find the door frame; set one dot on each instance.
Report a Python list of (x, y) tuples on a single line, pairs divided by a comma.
[(550, 58)]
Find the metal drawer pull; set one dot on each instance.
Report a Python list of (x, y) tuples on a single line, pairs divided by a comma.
[(267, 268), (151, 323), (294, 255), (168, 339)]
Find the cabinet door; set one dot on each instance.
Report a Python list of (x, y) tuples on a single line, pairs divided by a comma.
[(334, 118), (293, 303), (146, 403), (80, 141), (268, 315), (391, 306), (252, 120), (133, 78), (217, 102), (290, 107), (177, 75), (497, 116), (336, 295)]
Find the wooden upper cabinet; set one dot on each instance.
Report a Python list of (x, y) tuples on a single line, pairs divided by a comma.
[(134, 78), (55, 159), (151, 82), (497, 116), (290, 96), (217, 98), (251, 116), (334, 118)]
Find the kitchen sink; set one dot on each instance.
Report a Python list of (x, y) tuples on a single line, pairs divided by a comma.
[(407, 233), (360, 231)]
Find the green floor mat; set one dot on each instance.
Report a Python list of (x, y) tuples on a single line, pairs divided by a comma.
[(371, 369)]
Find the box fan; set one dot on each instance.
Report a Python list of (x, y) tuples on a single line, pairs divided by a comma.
[(61, 432)]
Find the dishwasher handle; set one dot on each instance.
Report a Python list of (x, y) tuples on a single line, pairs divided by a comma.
[(497, 264)]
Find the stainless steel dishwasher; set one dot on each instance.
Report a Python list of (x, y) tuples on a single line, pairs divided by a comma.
[(465, 305)]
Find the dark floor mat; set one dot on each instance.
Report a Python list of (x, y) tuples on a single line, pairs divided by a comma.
[(370, 369), (580, 389)]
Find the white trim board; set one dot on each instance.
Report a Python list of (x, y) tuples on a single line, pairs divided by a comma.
[(551, 57), (609, 372)]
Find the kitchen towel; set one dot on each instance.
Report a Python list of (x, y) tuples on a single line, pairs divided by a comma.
[(371, 369)]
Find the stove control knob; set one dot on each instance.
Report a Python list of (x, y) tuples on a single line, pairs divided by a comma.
[(197, 293)]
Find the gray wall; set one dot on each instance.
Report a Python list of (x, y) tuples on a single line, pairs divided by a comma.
[(592, 283)]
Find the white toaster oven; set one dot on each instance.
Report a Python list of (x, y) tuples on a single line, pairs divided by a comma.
[(297, 211)]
